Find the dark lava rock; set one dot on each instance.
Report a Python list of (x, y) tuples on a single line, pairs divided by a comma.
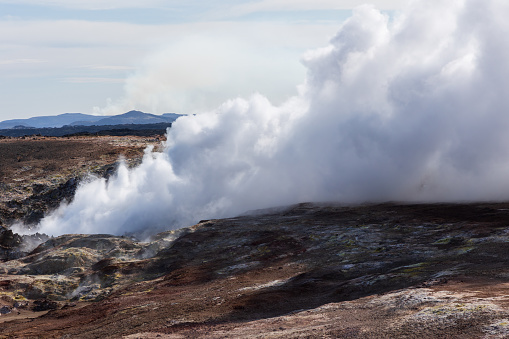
[(9, 243), (33, 217), (63, 191), (5, 310), (367, 271), (44, 305), (21, 304), (8, 239), (38, 188), (32, 209)]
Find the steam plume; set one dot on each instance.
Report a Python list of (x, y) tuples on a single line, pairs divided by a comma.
[(410, 109)]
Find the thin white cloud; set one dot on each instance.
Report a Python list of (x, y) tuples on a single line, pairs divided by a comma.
[(20, 61), (110, 67), (90, 4), (193, 6), (69, 33), (306, 5), (92, 80)]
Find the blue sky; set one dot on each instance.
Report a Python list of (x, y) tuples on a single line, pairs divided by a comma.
[(109, 56)]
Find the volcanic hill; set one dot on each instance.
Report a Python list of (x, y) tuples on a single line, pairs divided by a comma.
[(309, 270)]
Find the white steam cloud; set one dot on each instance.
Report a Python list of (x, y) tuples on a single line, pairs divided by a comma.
[(415, 108)]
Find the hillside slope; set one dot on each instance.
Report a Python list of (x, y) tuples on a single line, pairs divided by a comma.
[(37, 173), (80, 119), (131, 117), (48, 121), (384, 271)]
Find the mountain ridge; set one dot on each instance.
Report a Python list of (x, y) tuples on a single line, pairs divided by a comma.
[(80, 119), (131, 117), (46, 120)]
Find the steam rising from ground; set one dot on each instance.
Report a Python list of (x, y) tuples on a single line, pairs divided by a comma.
[(411, 109)]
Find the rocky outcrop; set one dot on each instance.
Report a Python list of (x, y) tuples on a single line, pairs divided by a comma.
[(366, 271), (37, 174), (80, 267), (9, 243)]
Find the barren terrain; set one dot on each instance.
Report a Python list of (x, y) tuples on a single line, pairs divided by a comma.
[(37, 173), (310, 270)]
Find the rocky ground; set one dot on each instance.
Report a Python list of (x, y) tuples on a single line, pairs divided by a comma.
[(37, 173), (310, 271)]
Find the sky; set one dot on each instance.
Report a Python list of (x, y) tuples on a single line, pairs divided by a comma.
[(111, 56)]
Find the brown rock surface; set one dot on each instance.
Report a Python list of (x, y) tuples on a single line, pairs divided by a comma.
[(370, 271), (37, 173)]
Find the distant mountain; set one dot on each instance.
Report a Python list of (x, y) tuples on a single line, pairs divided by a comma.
[(48, 121), (79, 119), (172, 116), (131, 117)]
